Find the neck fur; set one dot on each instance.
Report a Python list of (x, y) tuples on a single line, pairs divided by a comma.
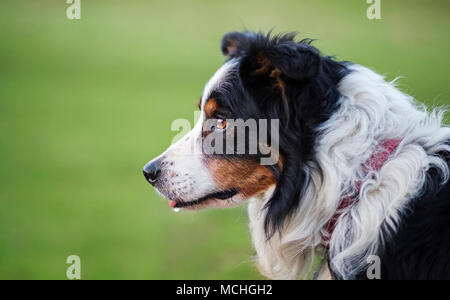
[(372, 110)]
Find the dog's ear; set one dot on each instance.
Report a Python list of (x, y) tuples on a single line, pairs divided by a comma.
[(288, 61), (291, 81), (298, 61), (278, 67), (235, 44)]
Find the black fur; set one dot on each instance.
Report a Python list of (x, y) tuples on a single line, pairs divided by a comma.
[(421, 247), (307, 99), (278, 78)]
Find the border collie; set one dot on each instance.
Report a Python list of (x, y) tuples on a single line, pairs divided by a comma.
[(362, 168)]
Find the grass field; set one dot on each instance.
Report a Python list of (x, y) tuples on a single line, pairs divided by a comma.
[(84, 104)]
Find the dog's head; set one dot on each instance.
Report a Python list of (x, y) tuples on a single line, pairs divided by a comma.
[(282, 91)]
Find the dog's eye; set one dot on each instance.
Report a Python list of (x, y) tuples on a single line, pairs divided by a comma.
[(221, 124)]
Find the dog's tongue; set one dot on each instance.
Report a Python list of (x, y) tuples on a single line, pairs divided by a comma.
[(172, 203)]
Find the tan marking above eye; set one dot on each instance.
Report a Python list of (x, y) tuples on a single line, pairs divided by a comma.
[(210, 107)]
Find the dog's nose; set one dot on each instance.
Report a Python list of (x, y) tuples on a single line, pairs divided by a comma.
[(152, 171)]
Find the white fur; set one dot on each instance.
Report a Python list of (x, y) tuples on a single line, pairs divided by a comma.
[(372, 111), (218, 81), (184, 175)]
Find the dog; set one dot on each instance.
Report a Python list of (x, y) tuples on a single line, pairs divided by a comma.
[(361, 173)]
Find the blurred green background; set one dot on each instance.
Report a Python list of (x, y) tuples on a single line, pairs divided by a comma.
[(84, 104)]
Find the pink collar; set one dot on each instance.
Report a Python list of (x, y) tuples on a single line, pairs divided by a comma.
[(374, 163)]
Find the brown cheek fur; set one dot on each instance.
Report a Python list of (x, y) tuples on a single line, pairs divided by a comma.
[(249, 177)]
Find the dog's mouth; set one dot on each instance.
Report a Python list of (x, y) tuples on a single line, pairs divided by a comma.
[(222, 195)]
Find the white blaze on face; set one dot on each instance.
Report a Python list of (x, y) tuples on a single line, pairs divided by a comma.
[(184, 175), (217, 81)]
